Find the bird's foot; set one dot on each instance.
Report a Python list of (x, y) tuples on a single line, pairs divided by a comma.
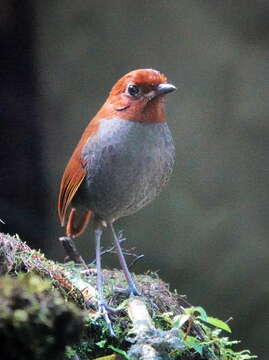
[(104, 310), (133, 291)]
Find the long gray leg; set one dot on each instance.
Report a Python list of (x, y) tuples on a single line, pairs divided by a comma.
[(103, 308), (131, 284)]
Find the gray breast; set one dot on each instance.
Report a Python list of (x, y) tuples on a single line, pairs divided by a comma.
[(127, 165)]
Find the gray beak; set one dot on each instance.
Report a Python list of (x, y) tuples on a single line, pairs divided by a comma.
[(163, 89)]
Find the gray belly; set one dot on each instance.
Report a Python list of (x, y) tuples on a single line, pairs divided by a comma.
[(127, 165)]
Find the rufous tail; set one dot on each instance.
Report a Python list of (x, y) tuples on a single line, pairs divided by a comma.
[(77, 221)]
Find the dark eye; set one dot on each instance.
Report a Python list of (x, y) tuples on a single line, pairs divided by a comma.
[(133, 90)]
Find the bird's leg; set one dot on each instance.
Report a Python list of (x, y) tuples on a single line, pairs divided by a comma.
[(131, 284), (103, 308), (106, 251)]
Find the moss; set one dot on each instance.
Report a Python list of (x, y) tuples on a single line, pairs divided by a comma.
[(60, 315), (36, 322)]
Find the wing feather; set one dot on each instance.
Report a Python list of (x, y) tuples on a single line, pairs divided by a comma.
[(75, 171), (73, 176)]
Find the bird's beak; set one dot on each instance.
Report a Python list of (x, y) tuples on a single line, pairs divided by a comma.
[(163, 89)]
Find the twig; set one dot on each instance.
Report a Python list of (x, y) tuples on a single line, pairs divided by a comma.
[(132, 263), (71, 250), (190, 323), (107, 251), (111, 250)]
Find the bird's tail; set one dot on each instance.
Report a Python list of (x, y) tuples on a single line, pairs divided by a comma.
[(77, 222)]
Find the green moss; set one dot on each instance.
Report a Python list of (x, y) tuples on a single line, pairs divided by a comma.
[(36, 322), (39, 319)]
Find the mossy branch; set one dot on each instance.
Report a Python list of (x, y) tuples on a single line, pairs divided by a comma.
[(157, 325)]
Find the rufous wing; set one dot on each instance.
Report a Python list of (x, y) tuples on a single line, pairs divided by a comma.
[(73, 176)]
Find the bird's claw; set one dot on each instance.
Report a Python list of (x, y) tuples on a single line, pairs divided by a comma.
[(104, 310), (108, 321), (109, 309)]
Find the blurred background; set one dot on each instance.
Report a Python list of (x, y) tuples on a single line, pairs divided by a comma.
[(207, 234)]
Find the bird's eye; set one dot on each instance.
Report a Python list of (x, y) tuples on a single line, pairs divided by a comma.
[(133, 90)]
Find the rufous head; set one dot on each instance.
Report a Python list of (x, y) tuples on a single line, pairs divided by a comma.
[(138, 96)]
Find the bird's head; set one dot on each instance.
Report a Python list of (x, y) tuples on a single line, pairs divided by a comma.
[(138, 96)]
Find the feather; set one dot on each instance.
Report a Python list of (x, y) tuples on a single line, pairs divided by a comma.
[(75, 172), (73, 176), (77, 222)]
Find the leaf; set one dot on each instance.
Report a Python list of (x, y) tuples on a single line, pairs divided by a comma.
[(101, 343), (193, 344), (196, 309), (69, 352), (217, 323), (179, 320), (107, 357), (201, 311), (121, 352)]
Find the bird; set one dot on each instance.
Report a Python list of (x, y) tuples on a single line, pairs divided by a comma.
[(123, 160)]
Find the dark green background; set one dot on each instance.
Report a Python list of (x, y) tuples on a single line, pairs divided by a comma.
[(207, 233)]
